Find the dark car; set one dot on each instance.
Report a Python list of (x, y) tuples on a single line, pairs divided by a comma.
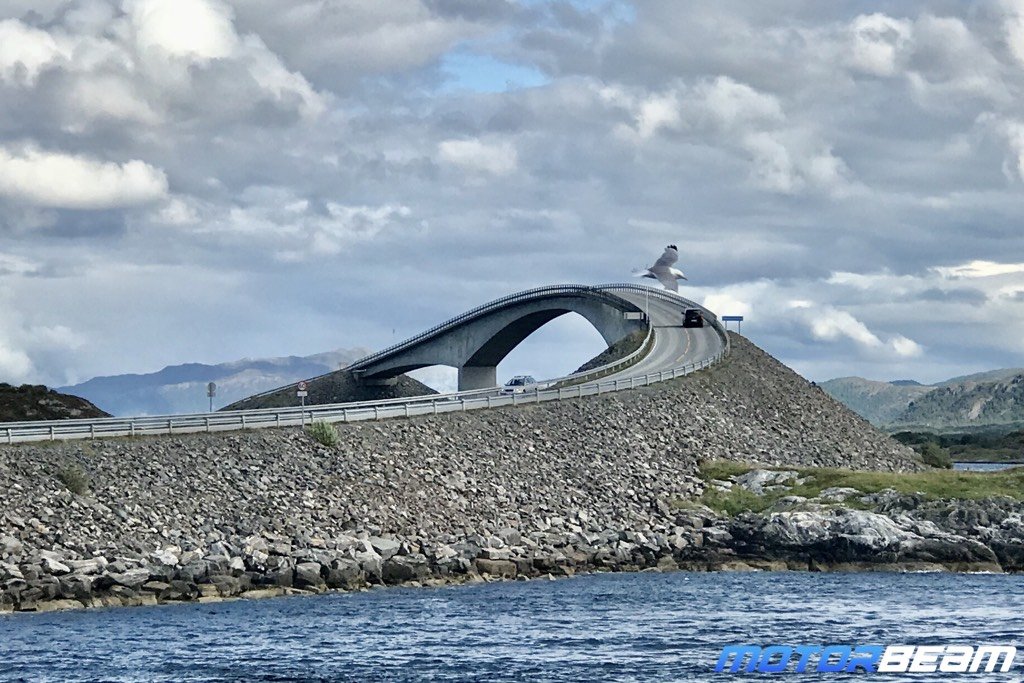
[(693, 318)]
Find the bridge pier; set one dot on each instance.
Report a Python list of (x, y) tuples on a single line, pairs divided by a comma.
[(477, 377)]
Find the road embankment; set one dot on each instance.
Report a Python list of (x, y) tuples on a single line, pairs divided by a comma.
[(560, 487)]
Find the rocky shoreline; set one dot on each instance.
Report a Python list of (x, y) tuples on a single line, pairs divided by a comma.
[(602, 483), (893, 532)]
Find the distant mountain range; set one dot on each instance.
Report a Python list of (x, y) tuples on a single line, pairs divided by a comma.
[(182, 388), (984, 400)]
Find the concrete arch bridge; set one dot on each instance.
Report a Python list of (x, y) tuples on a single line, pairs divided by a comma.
[(477, 341)]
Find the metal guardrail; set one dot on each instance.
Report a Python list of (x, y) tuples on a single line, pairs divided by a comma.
[(432, 404)]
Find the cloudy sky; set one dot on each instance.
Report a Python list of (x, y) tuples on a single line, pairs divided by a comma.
[(205, 180)]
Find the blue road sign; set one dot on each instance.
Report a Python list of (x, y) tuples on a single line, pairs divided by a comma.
[(732, 318)]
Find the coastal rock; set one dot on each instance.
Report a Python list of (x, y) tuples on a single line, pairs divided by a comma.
[(308, 574), (838, 494), (344, 573), (95, 565), (132, 578), (761, 481), (385, 547), (496, 567), (52, 565), (403, 568)]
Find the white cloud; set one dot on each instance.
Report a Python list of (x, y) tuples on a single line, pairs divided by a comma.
[(268, 71), (176, 211), (27, 51), (16, 265), (1013, 28), (785, 157), (878, 43), (58, 180), (291, 228), (720, 104), (726, 304), (345, 224), (732, 104), (336, 43), (979, 269), (109, 97), (199, 30), (24, 342), (145, 65), (497, 158), (830, 324), (15, 365), (1011, 131), (789, 164), (906, 348)]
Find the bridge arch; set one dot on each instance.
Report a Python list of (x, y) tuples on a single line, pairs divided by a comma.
[(477, 341)]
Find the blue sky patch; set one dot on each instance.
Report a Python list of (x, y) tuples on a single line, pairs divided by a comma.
[(483, 73)]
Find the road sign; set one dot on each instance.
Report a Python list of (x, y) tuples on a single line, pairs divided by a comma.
[(211, 389), (302, 390), (738, 319)]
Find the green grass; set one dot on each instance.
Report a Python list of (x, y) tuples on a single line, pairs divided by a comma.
[(324, 433), (737, 500), (932, 485), (74, 478)]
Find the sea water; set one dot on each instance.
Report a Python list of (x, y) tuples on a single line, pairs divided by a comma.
[(609, 627)]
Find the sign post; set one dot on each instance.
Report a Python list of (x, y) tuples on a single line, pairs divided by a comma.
[(302, 392), (738, 319), (211, 391)]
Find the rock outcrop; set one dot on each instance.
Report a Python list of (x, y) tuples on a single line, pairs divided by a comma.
[(846, 529), (36, 402)]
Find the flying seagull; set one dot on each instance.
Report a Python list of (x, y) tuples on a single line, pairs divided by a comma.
[(662, 270)]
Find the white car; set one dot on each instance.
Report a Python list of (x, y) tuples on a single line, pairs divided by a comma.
[(519, 384)]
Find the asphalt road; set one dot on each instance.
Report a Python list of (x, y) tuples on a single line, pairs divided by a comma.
[(674, 345)]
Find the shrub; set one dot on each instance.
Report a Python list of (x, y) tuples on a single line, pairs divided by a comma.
[(74, 478), (323, 432), (935, 455)]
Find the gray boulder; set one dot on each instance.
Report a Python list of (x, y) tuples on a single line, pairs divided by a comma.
[(761, 481), (308, 575), (385, 547), (403, 568)]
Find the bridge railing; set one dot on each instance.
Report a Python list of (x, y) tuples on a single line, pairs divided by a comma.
[(12, 432)]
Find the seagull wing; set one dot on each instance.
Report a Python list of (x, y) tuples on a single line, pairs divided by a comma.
[(667, 279), (670, 256)]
